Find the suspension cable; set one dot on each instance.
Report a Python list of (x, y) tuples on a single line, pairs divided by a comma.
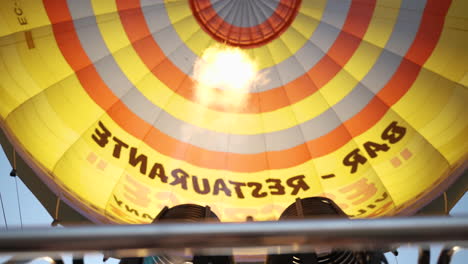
[(3, 210), (19, 204)]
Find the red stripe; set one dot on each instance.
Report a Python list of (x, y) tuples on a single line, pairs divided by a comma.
[(425, 41)]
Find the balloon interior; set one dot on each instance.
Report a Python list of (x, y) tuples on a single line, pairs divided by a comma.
[(118, 109)]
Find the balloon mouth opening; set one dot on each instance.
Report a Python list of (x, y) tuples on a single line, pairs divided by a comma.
[(245, 37)]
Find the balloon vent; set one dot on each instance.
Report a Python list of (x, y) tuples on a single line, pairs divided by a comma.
[(241, 28)]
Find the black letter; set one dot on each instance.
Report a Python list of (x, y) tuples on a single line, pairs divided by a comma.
[(353, 159), (393, 133), (196, 187), (101, 138), (18, 11), (297, 183), (134, 160), (118, 147), (277, 185), (131, 210), (158, 170), (145, 215), (180, 177), (372, 148), (117, 200), (256, 191), (219, 185), (237, 187), (22, 20), (384, 196)]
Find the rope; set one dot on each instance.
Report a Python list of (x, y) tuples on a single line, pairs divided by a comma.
[(445, 203), (14, 159), (3, 209), (57, 206), (19, 204)]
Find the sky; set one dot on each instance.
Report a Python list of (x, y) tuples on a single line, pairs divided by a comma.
[(29, 212)]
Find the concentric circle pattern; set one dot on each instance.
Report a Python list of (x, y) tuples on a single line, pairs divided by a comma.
[(359, 101), (244, 23)]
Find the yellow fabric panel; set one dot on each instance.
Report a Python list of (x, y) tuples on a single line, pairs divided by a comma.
[(279, 50), (457, 23), (458, 10), (429, 92), (416, 172), (450, 55), (443, 121), (313, 8), (4, 29), (383, 21), (30, 71), (362, 60), (104, 7), (451, 127), (137, 72), (394, 4), (285, 116), (338, 87), (68, 100), (301, 27), (92, 179), (18, 79), (10, 92), (55, 125), (464, 81), (416, 176), (16, 16), (313, 105), (113, 32), (199, 42), (51, 138), (186, 29)]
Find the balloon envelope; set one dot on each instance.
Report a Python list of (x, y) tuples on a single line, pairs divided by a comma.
[(117, 106)]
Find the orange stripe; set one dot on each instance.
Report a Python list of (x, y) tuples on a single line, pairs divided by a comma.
[(365, 119), (329, 142), (402, 80), (359, 17)]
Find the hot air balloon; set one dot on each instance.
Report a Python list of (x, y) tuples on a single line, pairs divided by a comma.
[(117, 109)]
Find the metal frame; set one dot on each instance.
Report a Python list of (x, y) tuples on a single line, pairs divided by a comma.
[(238, 238)]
